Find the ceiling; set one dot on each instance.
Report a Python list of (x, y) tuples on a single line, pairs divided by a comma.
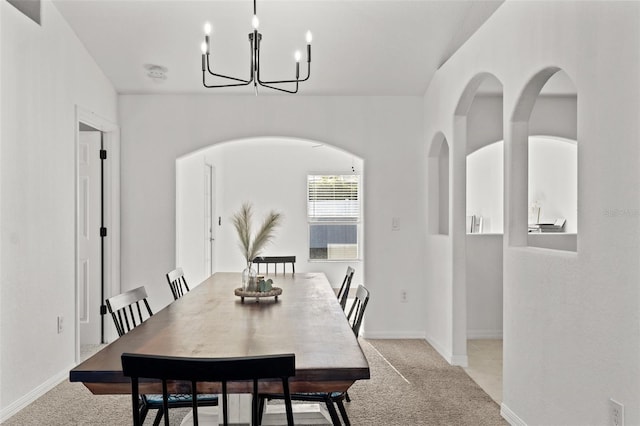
[(360, 47)]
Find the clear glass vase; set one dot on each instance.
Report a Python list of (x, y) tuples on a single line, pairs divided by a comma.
[(249, 282)]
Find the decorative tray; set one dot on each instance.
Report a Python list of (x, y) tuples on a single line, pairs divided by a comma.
[(274, 292)]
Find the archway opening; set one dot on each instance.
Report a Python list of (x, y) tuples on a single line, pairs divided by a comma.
[(480, 120), (272, 173)]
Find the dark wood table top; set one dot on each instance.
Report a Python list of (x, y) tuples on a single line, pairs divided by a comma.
[(210, 322)]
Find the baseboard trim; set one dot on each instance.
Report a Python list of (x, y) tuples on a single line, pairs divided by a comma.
[(394, 335), (13, 408), (484, 334), (511, 417), (458, 360), (440, 349)]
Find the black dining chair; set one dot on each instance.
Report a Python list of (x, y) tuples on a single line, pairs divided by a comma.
[(177, 283), (129, 310), (190, 371), (354, 317), (126, 311), (343, 293)]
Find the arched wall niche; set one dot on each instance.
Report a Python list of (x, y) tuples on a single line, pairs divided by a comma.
[(547, 105), (438, 185)]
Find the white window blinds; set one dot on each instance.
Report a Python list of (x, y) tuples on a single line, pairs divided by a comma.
[(333, 198)]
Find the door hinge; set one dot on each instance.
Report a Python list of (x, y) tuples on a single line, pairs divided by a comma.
[(103, 154), (103, 310), (103, 232)]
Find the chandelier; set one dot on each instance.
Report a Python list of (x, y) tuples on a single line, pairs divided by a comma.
[(255, 39)]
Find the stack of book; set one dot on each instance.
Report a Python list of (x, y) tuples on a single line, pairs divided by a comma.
[(557, 226)]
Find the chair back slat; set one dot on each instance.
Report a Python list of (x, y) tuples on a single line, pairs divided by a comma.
[(211, 370), (356, 313), (343, 294), (177, 283), (133, 317), (122, 311)]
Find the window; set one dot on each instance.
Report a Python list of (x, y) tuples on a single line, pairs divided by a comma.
[(333, 211)]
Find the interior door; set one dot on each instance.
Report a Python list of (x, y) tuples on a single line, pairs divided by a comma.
[(89, 257), (209, 218)]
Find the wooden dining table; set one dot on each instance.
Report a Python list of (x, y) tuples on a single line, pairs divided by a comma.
[(210, 321)]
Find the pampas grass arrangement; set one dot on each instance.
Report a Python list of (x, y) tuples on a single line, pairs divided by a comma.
[(251, 245)]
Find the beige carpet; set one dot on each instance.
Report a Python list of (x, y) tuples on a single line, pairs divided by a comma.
[(410, 385)]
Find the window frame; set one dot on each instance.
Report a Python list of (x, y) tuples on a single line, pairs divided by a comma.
[(357, 221)]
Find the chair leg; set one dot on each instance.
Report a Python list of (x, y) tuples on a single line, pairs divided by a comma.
[(332, 411), (156, 421), (261, 406), (144, 409), (343, 413)]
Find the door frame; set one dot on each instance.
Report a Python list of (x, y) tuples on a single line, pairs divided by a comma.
[(111, 180), (211, 226)]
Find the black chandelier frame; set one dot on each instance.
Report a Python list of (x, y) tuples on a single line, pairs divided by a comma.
[(255, 39)]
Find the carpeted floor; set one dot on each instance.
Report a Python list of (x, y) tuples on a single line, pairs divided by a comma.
[(410, 385)]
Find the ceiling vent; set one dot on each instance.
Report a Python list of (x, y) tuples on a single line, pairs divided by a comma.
[(157, 73)]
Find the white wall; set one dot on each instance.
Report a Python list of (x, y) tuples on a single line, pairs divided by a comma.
[(385, 132), (553, 168), (484, 187), (271, 174), (484, 286), (571, 326), (553, 180), (190, 218), (45, 73)]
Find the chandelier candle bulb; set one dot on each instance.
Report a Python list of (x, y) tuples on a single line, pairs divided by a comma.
[(255, 22), (309, 37), (207, 28)]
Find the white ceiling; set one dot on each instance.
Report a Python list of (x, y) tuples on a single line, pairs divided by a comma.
[(360, 47)]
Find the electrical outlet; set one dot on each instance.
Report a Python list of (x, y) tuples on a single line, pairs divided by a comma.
[(395, 224), (616, 413), (60, 324), (403, 296)]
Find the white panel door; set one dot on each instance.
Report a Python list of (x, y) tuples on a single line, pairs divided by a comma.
[(89, 260)]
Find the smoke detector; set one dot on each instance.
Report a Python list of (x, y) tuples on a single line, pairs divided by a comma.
[(157, 73)]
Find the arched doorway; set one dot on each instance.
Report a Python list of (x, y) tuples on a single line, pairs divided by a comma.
[(272, 174), (478, 241)]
